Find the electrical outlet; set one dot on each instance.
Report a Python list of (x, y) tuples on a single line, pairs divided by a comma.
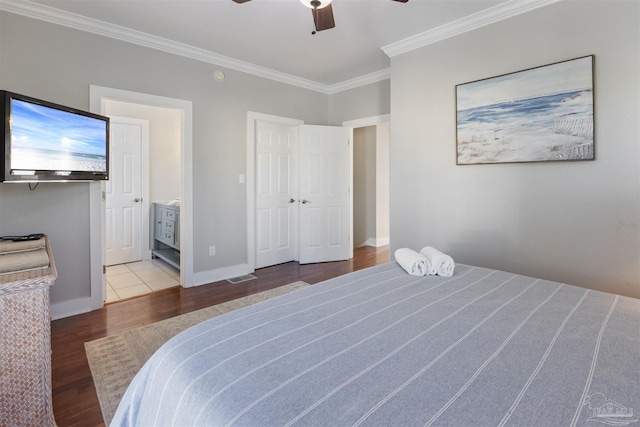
[(212, 250)]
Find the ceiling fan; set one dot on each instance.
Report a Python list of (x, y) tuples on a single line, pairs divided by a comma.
[(321, 11)]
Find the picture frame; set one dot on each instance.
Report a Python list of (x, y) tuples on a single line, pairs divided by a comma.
[(540, 114)]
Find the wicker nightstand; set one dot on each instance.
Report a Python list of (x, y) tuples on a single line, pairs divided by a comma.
[(25, 347)]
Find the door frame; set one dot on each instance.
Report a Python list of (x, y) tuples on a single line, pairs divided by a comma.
[(145, 247), (96, 191), (252, 119), (360, 123)]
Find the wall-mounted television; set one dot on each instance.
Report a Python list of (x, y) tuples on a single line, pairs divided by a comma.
[(43, 141)]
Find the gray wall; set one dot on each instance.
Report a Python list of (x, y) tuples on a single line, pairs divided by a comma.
[(365, 101), (576, 222), (59, 64), (60, 211), (56, 63)]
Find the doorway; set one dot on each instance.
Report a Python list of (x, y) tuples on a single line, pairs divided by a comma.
[(161, 185), (371, 185), (156, 177), (371, 193)]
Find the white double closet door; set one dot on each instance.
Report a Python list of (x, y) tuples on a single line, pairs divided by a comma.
[(302, 193)]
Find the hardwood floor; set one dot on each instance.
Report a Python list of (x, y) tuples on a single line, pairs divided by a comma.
[(75, 402)]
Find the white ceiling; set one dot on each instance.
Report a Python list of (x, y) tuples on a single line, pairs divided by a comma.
[(273, 37)]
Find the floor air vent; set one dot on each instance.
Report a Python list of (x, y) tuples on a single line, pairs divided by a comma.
[(239, 279)]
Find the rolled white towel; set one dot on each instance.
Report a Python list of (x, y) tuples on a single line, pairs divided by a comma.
[(412, 262), (441, 264)]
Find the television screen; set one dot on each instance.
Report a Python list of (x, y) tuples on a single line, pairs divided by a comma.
[(47, 141)]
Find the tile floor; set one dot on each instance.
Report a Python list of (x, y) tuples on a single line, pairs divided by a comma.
[(139, 278)]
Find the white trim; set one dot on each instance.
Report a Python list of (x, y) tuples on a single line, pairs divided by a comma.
[(351, 219), (376, 242), (378, 76), (252, 118), (480, 19), (367, 121), (73, 307), (97, 259), (82, 23)]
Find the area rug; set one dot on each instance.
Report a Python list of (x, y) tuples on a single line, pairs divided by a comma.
[(115, 360)]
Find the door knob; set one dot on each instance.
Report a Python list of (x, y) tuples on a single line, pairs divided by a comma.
[(137, 199), (305, 201), (291, 201)]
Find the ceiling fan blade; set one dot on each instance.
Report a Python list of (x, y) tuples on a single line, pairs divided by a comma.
[(323, 18), (401, 1), (241, 1)]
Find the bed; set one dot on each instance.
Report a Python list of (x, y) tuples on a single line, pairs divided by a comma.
[(379, 347)]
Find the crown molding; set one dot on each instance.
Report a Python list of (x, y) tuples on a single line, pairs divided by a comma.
[(82, 23), (359, 81), (477, 20)]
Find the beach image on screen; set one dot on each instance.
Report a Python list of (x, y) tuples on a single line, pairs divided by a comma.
[(48, 139)]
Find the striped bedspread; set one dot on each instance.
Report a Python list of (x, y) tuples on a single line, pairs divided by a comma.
[(379, 347)]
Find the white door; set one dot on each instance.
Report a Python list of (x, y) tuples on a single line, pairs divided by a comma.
[(324, 194), (276, 192), (124, 191)]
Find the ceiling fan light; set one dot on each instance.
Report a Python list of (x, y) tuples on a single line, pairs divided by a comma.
[(309, 3)]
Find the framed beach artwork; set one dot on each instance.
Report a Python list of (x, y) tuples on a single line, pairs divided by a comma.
[(537, 115)]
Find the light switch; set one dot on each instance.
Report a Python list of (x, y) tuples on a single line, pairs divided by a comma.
[(241, 178)]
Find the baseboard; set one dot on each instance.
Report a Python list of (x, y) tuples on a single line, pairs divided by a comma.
[(376, 242), (206, 277), (77, 306), (72, 307)]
